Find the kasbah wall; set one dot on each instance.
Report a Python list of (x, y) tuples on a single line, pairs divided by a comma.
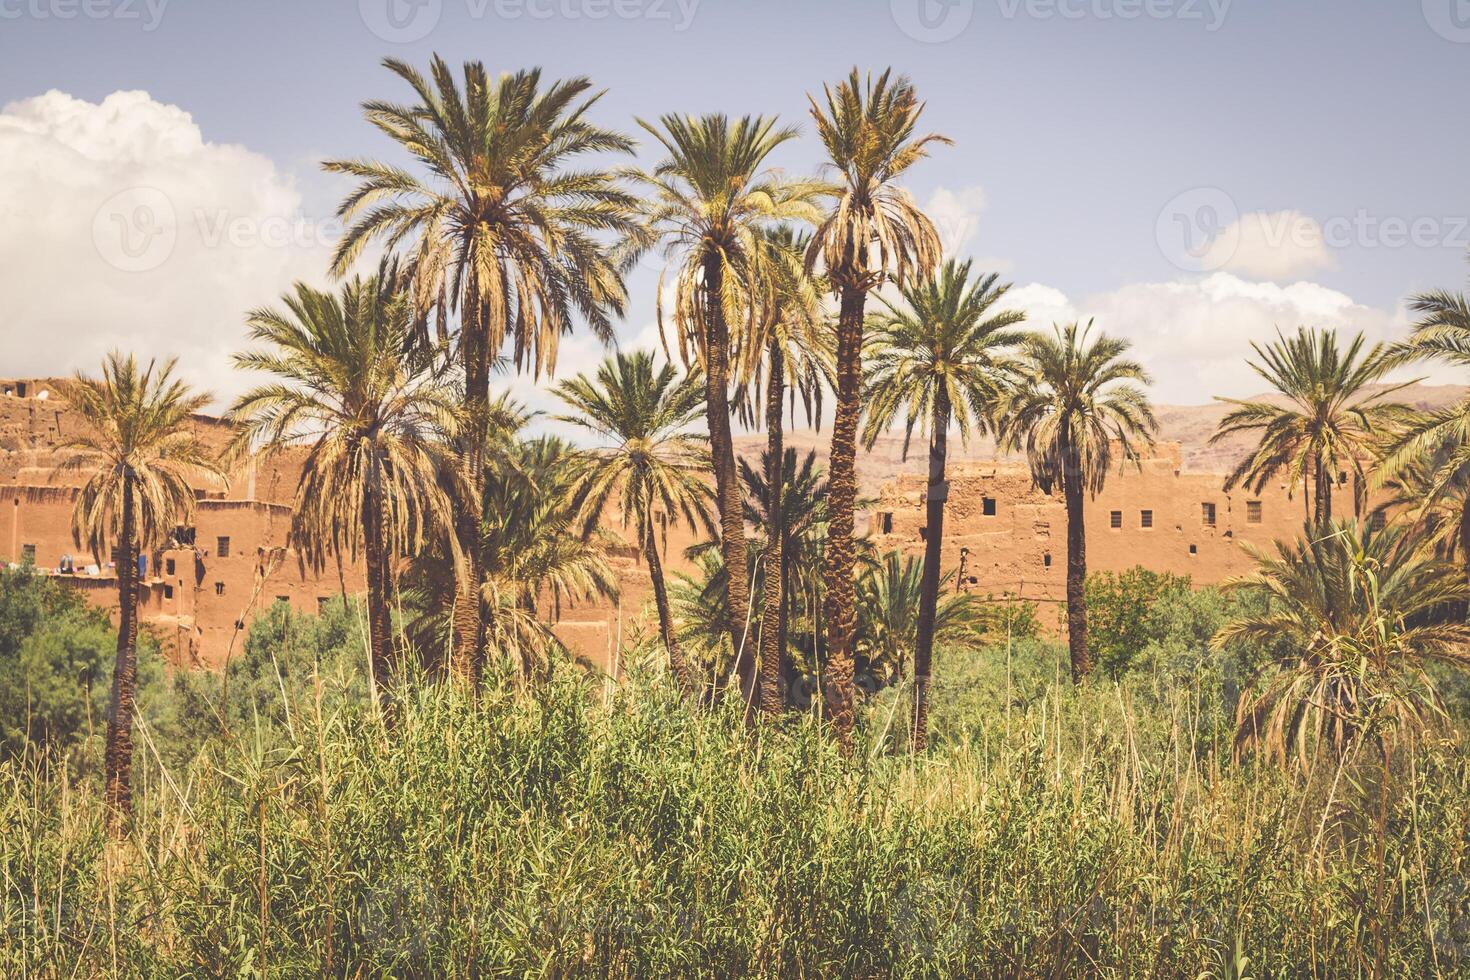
[(1002, 535)]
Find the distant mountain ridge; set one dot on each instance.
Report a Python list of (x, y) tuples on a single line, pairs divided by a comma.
[(1189, 425)]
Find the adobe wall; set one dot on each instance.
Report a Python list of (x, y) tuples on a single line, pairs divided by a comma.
[(1012, 538)]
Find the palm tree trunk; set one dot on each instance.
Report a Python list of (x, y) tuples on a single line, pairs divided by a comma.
[(938, 494), (118, 757), (677, 665), (1465, 535), (380, 638), (468, 628), (727, 483), (839, 607), (773, 601), (1322, 503), (1076, 568)]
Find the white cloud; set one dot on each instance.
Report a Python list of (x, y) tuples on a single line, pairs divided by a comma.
[(126, 228), (1270, 245), (1194, 337)]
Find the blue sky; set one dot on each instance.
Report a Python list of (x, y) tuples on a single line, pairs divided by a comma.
[(1091, 137)]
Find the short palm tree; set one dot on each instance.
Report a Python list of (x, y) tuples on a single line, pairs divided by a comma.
[(890, 594), (1432, 450), (1076, 406), (1361, 613), (940, 357), (875, 232), (371, 409), (502, 230), (651, 465), (139, 452), (796, 337), (1329, 423), (710, 198)]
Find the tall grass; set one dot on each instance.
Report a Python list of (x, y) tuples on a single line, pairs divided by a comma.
[(566, 832)]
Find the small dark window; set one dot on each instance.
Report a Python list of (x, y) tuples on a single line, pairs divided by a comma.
[(184, 537), (885, 523), (168, 591), (973, 580), (1194, 549), (1207, 513), (924, 534), (1378, 521), (1115, 519), (168, 566), (1253, 512), (321, 604), (1146, 518), (219, 588), (222, 547), (27, 554), (1046, 559), (20, 388), (284, 598), (1342, 478), (987, 506)]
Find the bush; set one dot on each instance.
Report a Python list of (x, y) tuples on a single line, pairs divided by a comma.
[(1121, 614)]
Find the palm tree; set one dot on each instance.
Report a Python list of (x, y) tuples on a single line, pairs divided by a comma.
[(940, 358), (1076, 407), (874, 232), (370, 407), (798, 514), (653, 466), (1329, 422), (1359, 613), (538, 550), (503, 231), (711, 198), (139, 452), (889, 594), (1435, 446), (797, 343)]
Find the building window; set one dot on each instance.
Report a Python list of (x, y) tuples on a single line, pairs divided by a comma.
[(924, 533), (27, 554), (321, 604), (1342, 478), (1046, 559), (1115, 520), (168, 566), (1378, 521), (219, 588), (1145, 518), (184, 537), (885, 523), (285, 599), (168, 591), (987, 506), (1253, 512), (222, 547), (1207, 512), (1194, 549)]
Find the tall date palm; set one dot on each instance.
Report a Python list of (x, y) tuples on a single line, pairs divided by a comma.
[(139, 453), (1076, 406), (875, 232), (939, 358), (370, 408), (711, 197), (502, 229)]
